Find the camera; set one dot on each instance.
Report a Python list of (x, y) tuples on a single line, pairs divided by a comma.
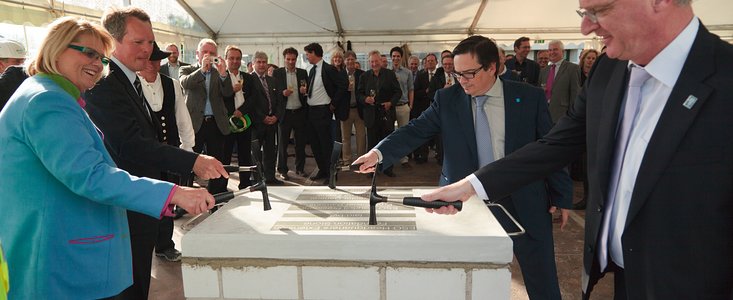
[(215, 60)]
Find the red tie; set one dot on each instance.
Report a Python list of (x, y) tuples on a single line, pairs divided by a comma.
[(550, 81)]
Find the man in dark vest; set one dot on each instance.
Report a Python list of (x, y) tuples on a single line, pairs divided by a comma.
[(165, 98)]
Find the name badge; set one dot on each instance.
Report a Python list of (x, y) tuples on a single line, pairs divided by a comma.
[(690, 102)]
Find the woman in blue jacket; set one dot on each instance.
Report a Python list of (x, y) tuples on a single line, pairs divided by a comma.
[(63, 202)]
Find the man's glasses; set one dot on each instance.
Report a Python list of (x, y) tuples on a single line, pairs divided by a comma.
[(91, 53), (593, 14), (468, 74)]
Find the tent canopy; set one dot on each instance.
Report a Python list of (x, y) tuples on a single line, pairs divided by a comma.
[(259, 22)]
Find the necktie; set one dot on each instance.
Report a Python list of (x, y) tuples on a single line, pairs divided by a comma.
[(430, 76), (550, 81), (484, 146), (140, 97), (614, 218), (311, 80), (267, 93)]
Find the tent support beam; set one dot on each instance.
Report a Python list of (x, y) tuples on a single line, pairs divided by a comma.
[(479, 12), (197, 19), (337, 18)]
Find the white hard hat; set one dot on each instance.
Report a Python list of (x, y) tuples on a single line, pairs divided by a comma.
[(11, 49)]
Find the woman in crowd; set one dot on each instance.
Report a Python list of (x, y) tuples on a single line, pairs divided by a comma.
[(587, 58), (337, 60), (579, 168), (63, 205)]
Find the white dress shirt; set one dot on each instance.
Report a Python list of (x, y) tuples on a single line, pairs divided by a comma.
[(153, 92), (664, 69), (318, 90), (238, 96)]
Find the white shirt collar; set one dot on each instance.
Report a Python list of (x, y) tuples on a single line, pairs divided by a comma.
[(557, 64), (667, 65), (129, 73)]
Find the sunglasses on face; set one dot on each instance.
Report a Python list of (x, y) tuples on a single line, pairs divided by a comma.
[(91, 53)]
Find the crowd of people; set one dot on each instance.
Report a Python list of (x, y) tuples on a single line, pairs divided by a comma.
[(504, 128)]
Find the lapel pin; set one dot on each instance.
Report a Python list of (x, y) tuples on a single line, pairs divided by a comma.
[(690, 102), (517, 100)]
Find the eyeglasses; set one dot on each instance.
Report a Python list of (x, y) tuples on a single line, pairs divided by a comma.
[(469, 74), (593, 14), (91, 53)]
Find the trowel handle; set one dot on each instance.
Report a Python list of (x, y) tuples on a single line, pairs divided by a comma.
[(419, 202)]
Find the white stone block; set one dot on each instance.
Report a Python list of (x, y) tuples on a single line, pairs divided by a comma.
[(341, 283), (425, 284), (200, 281), (491, 284), (260, 283)]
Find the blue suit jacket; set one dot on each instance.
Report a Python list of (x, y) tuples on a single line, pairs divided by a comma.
[(450, 114), (64, 226)]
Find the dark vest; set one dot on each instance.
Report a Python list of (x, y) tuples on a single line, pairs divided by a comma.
[(167, 115)]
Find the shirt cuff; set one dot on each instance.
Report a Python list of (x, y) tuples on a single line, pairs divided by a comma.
[(168, 207), (478, 187), (379, 155)]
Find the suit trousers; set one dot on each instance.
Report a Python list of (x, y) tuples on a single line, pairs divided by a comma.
[(379, 130), (536, 256), (164, 241), (320, 136), (243, 140), (402, 114), (267, 135), (143, 233), (358, 124), (210, 137), (294, 120)]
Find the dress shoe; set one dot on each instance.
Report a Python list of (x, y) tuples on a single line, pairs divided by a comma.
[(390, 173), (274, 182), (406, 165), (300, 173), (580, 205), (319, 176)]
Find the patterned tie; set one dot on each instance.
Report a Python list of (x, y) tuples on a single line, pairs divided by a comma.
[(614, 218), (267, 93), (484, 146), (311, 80), (550, 82), (141, 97)]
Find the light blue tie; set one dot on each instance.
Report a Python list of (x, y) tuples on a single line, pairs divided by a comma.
[(483, 133), (617, 207)]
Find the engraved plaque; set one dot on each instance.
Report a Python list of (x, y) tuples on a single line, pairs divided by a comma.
[(346, 210)]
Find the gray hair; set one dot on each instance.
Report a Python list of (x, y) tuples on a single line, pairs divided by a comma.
[(204, 42), (558, 43), (260, 55)]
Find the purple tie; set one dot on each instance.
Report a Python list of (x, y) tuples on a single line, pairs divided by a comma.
[(550, 81), (617, 206)]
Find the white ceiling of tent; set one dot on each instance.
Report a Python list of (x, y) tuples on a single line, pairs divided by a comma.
[(260, 21)]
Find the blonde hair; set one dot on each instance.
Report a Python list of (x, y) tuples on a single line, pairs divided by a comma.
[(61, 33), (584, 54)]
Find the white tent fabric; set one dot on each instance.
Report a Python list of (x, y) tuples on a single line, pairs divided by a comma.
[(426, 25)]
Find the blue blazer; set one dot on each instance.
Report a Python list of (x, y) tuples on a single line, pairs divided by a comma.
[(64, 226), (450, 114)]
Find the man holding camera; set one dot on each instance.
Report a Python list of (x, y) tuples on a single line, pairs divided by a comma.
[(206, 85)]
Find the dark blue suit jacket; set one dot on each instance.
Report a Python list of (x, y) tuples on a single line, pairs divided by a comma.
[(527, 120)]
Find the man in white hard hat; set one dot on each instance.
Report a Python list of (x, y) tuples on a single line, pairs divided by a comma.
[(12, 57), (12, 53)]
